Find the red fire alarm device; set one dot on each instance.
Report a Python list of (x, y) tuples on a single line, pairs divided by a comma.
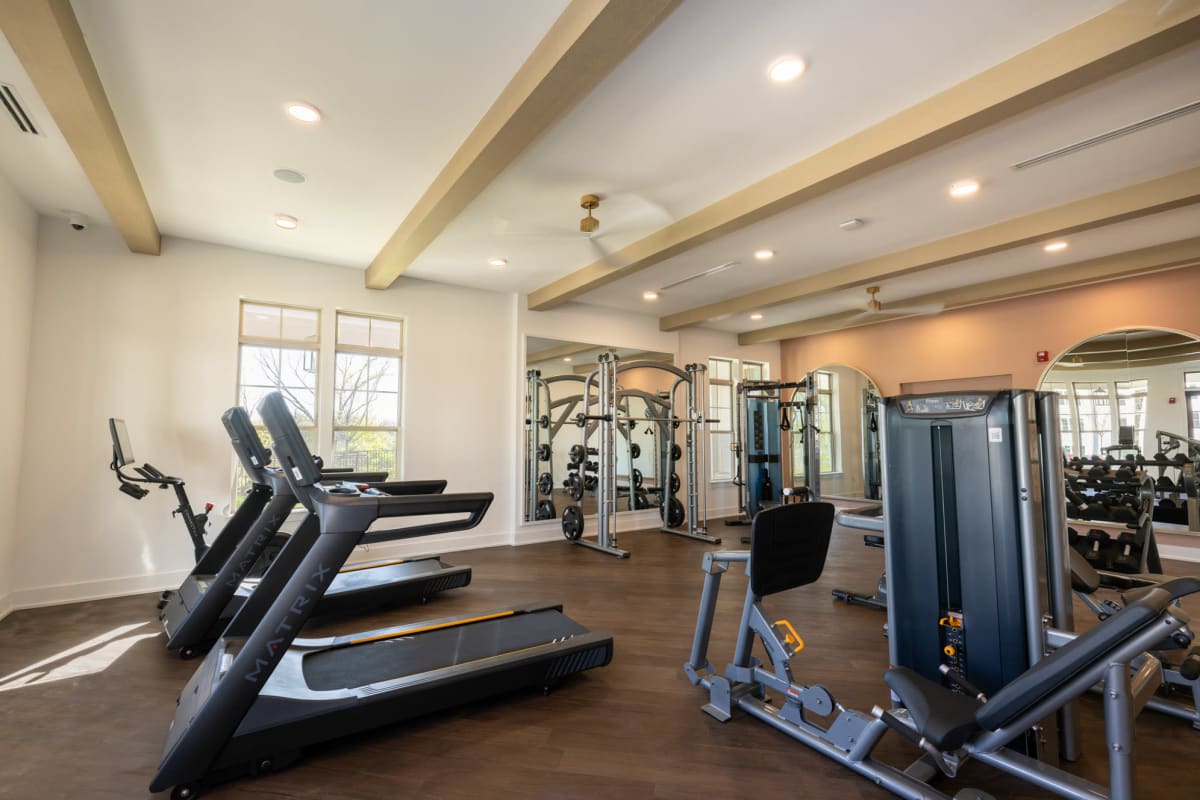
[(1043, 356), (1170, 401)]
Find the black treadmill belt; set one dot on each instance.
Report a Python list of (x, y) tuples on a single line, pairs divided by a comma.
[(358, 665)]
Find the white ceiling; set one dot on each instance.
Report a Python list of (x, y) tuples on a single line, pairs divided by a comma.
[(687, 118), (42, 167), (199, 90)]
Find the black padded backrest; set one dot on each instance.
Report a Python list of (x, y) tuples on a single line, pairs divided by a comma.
[(1083, 577), (1039, 681), (290, 448), (788, 545)]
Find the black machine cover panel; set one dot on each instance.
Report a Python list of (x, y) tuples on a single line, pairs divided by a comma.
[(954, 534), (359, 665)]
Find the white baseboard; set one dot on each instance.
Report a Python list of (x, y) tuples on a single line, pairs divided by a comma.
[(1177, 553), (96, 590)]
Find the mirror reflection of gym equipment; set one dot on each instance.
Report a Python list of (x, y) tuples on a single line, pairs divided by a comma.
[(1129, 406)]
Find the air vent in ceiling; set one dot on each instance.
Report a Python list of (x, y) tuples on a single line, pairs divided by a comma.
[(8, 97), (706, 273), (1187, 108)]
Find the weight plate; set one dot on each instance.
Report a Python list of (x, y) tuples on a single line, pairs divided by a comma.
[(676, 452), (675, 513), (543, 421), (575, 486), (572, 522), (635, 450), (543, 452), (589, 483), (641, 500), (545, 483), (545, 510), (577, 454), (674, 482), (637, 478)]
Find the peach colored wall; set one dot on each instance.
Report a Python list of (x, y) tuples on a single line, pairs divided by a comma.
[(1001, 338)]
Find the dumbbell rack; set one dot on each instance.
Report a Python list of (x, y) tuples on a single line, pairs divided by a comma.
[(1099, 491), (1176, 500)]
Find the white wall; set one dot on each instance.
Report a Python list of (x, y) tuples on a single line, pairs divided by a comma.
[(18, 243), (154, 340)]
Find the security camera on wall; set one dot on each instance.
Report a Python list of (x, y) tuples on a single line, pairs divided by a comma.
[(78, 221)]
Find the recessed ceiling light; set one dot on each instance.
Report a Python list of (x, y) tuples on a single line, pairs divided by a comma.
[(497, 262), (786, 69), (964, 188), (567, 359), (286, 221), (1055, 247), (303, 112), (757, 315), (289, 176), (764, 254), (649, 295)]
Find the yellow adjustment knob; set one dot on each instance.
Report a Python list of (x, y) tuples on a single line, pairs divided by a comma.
[(949, 650)]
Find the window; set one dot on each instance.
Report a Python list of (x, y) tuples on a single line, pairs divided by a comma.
[(722, 373), (1094, 408), (366, 393), (351, 413), (1064, 416), (720, 408), (1131, 408), (756, 371), (278, 350), (826, 423), (1191, 385)]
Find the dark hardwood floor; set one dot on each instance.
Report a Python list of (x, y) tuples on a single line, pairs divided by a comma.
[(633, 729)]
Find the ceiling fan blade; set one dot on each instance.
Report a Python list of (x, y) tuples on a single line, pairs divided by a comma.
[(929, 308)]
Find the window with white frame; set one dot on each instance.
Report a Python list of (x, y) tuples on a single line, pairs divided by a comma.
[(366, 392), (720, 408), (1064, 415), (1191, 389), (1093, 407), (356, 420), (756, 371), (278, 350), (826, 423), (1131, 407)]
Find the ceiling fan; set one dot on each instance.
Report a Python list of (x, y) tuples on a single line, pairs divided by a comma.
[(638, 212), (875, 307)]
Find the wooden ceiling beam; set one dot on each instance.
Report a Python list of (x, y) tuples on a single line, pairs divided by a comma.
[(45, 36), (1128, 34), (1182, 253), (1131, 202), (582, 46), (560, 351)]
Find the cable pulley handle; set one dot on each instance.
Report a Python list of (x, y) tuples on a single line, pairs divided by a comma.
[(785, 424)]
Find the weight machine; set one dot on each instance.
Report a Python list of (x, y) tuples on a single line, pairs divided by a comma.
[(763, 461), (611, 418)]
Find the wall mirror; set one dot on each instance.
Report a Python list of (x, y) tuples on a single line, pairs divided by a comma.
[(559, 457), (1130, 400), (846, 433)]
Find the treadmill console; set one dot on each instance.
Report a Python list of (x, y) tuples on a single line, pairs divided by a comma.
[(246, 442)]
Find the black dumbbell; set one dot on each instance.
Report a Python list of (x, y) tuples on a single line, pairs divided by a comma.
[(1126, 561), (1097, 546)]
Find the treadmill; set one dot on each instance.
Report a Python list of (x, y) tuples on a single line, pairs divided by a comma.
[(196, 614), (260, 696)]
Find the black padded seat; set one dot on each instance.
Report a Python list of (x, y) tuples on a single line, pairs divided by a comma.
[(792, 541), (1083, 577), (945, 718), (1044, 677)]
